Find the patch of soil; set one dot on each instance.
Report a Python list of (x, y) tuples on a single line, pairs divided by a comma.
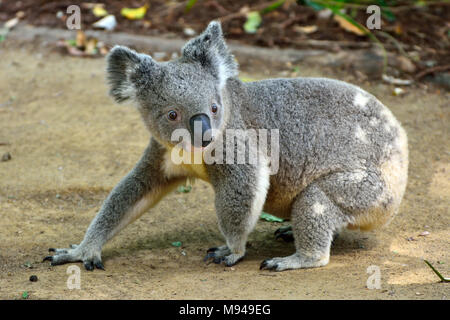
[(70, 145), (423, 32)]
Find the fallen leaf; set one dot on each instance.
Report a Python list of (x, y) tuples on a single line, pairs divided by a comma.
[(306, 29), (80, 40), (11, 23), (253, 22), (91, 47), (99, 11), (348, 26), (134, 14), (270, 218), (107, 23)]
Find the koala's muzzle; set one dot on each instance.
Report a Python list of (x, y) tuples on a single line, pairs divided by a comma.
[(200, 130)]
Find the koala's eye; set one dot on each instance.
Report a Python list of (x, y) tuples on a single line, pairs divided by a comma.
[(214, 108), (172, 115)]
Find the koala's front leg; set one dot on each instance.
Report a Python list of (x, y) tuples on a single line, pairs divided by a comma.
[(240, 195), (137, 192)]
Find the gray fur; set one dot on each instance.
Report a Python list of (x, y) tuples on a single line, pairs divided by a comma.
[(343, 156)]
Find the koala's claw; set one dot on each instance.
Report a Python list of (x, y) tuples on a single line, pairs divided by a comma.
[(222, 255), (277, 264), (90, 258), (284, 233), (265, 265)]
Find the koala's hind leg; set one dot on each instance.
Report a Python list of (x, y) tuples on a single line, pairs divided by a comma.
[(315, 219)]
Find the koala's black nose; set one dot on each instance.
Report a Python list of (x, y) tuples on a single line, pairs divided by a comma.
[(201, 130)]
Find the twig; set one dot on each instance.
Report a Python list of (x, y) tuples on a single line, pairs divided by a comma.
[(397, 44), (425, 72), (398, 82), (437, 272)]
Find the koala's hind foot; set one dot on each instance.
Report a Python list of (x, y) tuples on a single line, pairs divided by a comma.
[(294, 261), (285, 233), (90, 257), (222, 254), (315, 219)]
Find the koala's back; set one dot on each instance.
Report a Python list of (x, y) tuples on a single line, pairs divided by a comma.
[(329, 127)]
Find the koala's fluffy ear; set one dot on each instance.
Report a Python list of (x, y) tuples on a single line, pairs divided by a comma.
[(210, 50), (126, 70)]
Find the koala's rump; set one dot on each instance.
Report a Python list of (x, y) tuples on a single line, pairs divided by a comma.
[(337, 135)]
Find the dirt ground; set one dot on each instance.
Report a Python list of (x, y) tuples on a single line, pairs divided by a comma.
[(70, 144)]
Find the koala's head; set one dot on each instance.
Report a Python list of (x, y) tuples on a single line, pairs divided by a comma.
[(185, 93)]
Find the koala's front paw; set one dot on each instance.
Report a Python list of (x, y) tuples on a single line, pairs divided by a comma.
[(89, 256), (223, 255)]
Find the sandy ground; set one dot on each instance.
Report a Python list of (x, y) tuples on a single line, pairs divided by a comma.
[(70, 145)]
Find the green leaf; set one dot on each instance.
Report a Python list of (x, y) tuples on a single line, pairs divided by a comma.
[(177, 244), (385, 11), (273, 6), (253, 22), (72, 42), (25, 295), (184, 189), (270, 218), (311, 4), (189, 5)]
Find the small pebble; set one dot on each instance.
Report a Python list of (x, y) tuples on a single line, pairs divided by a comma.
[(33, 278), (6, 157), (424, 234), (189, 32)]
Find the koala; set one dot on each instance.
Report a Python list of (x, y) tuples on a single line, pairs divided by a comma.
[(343, 156)]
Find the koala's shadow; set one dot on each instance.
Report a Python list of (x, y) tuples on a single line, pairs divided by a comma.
[(261, 243), (348, 241)]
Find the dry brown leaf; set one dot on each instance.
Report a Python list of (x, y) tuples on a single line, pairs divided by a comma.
[(80, 39), (348, 26), (306, 29), (91, 46)]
